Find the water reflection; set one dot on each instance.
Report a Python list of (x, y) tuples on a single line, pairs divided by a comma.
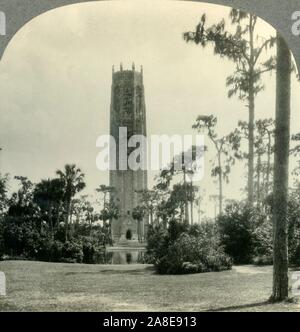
[(128, 258), (119, 257)]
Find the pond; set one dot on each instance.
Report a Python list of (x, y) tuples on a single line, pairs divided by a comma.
[(120, 256)]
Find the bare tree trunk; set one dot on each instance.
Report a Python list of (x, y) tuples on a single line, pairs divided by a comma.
[(68, 207), (198, 203), (192, 216), (268, 164), (72, 229), (215, 211), (139, 230), (251, 118), (220, 185), (186, 204), (281, 171), (58, 207), (192, 203), (258, 179), (251, 150), (51, 221), (151, 217)]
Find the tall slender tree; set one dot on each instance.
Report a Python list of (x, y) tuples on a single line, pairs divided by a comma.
[(73, 180), (149, 200), (48, 194), (226, 151), (138, 214), (245, 49), (281, 171), (264, 147)]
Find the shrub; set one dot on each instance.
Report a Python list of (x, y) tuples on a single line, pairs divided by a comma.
[(28, 238), (92, 252), (262, 239), (185, 249), (2, 248), (55, 249), (294, 230), (190, 254), (246, 233), (72, 252), (236, 228), (157, 244)]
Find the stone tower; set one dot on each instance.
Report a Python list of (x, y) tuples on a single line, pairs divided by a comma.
[(128, 111)]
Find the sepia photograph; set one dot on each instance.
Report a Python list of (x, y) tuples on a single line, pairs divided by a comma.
[(149, 162)]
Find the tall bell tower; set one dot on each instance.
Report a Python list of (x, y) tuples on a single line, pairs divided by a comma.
[(128, 111)]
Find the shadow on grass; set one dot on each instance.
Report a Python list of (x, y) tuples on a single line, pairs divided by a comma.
[(242, 306), (148, 270)]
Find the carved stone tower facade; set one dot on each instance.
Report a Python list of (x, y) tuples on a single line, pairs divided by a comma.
[(128, 112)]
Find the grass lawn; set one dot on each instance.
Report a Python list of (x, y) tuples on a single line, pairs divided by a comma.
[(39, 286)]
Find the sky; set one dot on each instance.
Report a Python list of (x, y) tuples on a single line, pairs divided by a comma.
[(55, 81)]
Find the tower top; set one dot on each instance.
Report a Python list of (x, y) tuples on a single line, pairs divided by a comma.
[(122, 69)]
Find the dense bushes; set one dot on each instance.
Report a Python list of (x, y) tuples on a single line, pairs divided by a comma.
[(26, 239), (294, 230), (2, 249), (235, 230), (244, 234), (247, 234), (183, 249)]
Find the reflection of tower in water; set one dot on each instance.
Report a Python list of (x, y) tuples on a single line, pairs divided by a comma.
[(128, 111)]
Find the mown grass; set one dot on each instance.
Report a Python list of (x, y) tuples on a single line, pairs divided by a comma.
[(39, 286)]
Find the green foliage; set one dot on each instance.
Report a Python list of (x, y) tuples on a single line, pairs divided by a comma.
[(243, 47), (262, 238), (72, 179), (294, 230), (2, 247), (24, 238), (244, 233), (110, 211), (157, 243), (185, 249), (226, 151), (34, 224), (247, 234), (239, 48), (3, 192), (72, 252), (91, 250)]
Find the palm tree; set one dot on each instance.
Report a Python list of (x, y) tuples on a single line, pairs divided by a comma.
[(149, 200), (73, 180), (109, 212), (281, 171), (48, 194), (106, 191), (185, 163)]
